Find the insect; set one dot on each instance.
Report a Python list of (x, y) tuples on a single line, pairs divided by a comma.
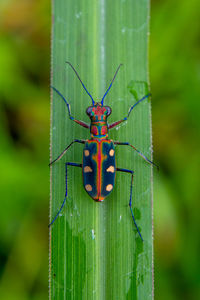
[(99, 167)]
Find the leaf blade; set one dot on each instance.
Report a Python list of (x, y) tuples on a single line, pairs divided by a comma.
[(103, 256)]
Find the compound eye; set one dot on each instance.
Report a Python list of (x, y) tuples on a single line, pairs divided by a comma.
[(109, 110), (89, 110)]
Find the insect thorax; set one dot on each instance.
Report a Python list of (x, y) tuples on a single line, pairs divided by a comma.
[(99, 129), (98, 115)]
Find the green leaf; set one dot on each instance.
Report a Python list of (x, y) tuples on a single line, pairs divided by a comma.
[(95, 250)]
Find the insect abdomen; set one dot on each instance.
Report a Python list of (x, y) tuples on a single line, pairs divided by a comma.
[(99, 168)]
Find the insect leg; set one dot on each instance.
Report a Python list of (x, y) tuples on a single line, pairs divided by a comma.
[(142, 155), (83, 124), (112, 125), (61, 155), (130, 201), (66, 164)]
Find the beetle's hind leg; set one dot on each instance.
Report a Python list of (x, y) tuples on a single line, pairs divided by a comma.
[(66, 164), (130, 201)]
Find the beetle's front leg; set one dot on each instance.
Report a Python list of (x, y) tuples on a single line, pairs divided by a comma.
[(61, 155), (112, 125), (83, 124)]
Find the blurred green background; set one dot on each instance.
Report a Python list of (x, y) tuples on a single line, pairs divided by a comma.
[(24, 151)]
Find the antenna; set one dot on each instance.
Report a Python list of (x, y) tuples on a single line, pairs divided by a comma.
[(80, 80), (110, 84)]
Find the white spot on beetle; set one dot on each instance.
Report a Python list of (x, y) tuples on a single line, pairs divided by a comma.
[(112, 152), (86, 152), (111, 169), (109, 187), (87, 169), (88, 187)]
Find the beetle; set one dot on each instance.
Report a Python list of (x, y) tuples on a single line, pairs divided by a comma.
[(98, 166)]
